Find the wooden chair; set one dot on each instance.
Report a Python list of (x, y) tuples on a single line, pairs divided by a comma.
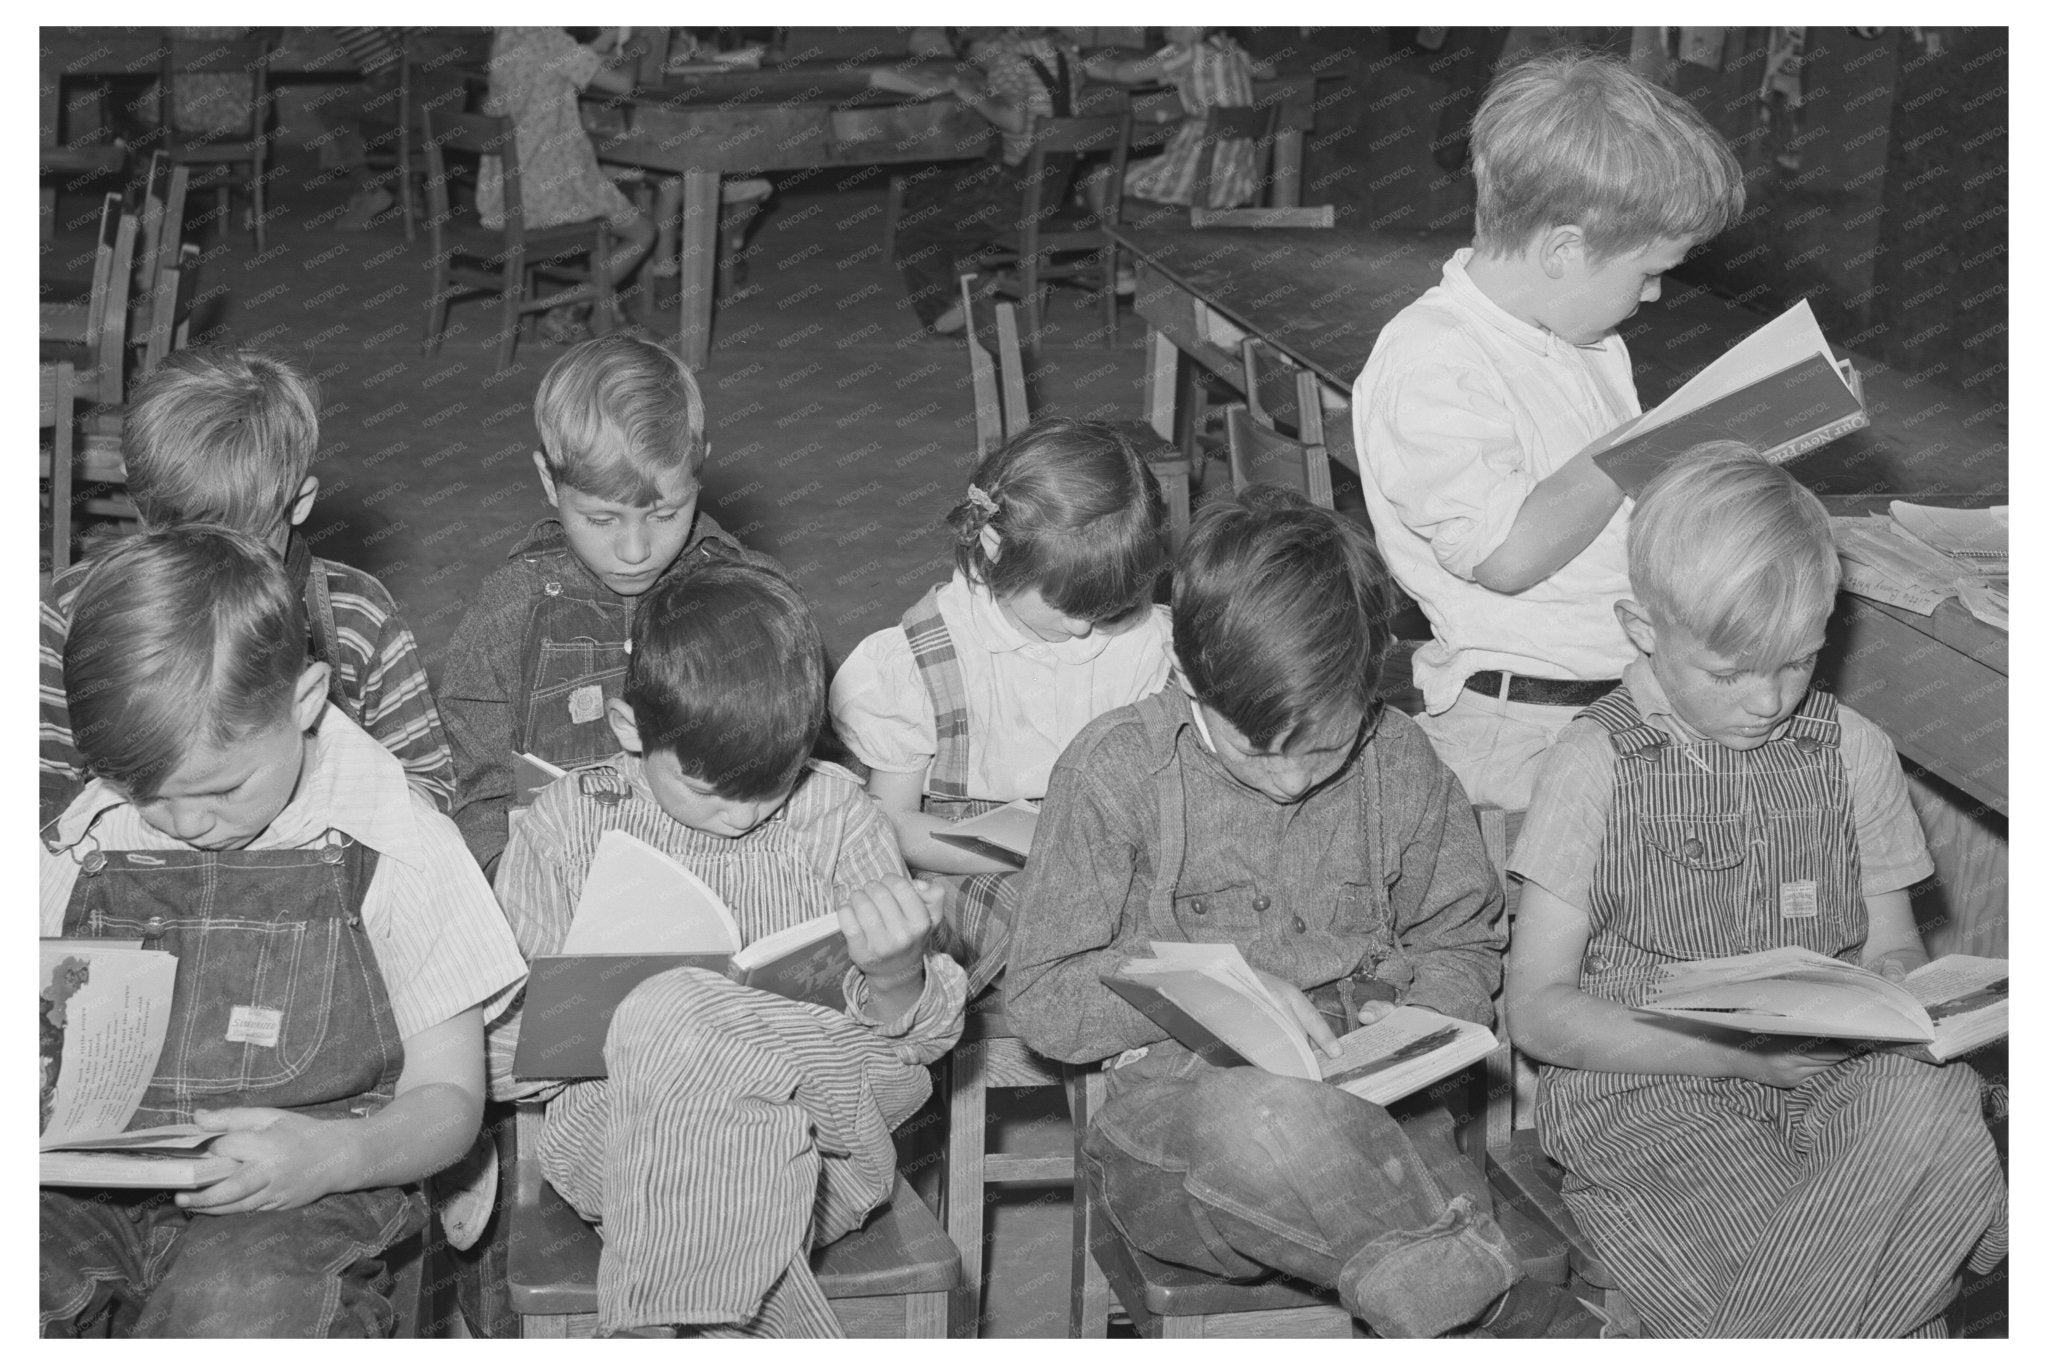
[(170, 310), (1002, 406), (890, 1278), (990, 1057), (245, 148), (1261, 453), (1233, 124), (433, 74), (470, 258), (1044, 231), (58, 381), (162, 225), (97, 347)]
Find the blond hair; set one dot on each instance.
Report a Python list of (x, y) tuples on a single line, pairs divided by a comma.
[(220, 435), (617, 415), (1735, 551), (1573, 138)]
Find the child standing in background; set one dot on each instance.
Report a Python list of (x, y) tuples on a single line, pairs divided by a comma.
[(1712, 805), (1473, 414), (1047, 623), (543, 645), (536, 75), (338, 954), (228, 436), (736, 1130)]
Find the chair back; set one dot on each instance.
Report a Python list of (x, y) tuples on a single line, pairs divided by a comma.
[(163, 218), (1096, 135), (248, 57), (106, 318), (470, 135), (1246, 123), (1002, 405), (170, 310), (1321, 216), (1261, 453)]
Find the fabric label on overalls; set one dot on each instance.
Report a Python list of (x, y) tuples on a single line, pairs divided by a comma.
[(1798, 900), (253, 1024), (586, 703)]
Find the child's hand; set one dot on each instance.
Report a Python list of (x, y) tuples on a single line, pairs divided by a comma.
[(1308, 1016), (288, 1160), (887, 923), (1788, 1063), (1372, 1011)]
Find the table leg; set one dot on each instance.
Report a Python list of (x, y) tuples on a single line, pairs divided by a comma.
[(1287, 169), (699, 266), (1162, 366)]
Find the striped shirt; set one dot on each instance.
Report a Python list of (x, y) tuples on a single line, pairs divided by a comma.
[(372, 49), (377, 663), (438, 936), (829, 828), (1212, 74), (1011, 75)]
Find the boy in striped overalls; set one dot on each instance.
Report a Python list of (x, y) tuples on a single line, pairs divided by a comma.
[(736, 1130), (1712, 805)]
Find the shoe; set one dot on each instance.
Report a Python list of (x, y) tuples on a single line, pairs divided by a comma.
[(951, 322), (363, 206)]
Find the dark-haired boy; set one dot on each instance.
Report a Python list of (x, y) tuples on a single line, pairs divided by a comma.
[(1277, 805), (736, 1130)]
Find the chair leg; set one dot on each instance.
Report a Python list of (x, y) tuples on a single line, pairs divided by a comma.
[(407, 208), (966, 1140), (256, 200), (892, 213), (437, 312), (732, 237), (61, 456), (512, 285), (1108, 293)]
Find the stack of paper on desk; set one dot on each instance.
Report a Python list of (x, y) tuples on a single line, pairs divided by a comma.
[(1884, 561)]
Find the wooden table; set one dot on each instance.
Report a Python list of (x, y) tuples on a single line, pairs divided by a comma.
[(747, 122), (705, 125), (1936, 684)]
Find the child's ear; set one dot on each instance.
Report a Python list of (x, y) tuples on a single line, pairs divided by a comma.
[(309, 695), (619, 712), (547, 480), (992, 543), (1559, 249), (302, 501), (1635, 623)]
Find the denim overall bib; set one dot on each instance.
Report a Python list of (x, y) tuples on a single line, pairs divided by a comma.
[(571, 661), (278, 1003), (1726, 1207)]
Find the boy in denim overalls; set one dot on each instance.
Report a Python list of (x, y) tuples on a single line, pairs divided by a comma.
[(337, 956), (1715, 804), (543, 647), (1276, 804)]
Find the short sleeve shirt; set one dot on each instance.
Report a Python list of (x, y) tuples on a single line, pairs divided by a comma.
[(1026, 700)]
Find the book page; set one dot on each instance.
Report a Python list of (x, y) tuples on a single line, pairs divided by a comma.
[(1213, 983), (103, 1015), (637, 899), (1948, 978), (1010, 827), (1779, 344), (1403, 1052), (1967, 532)]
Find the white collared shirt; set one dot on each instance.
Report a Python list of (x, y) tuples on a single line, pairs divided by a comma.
[(1026, 700), (1462, 409), (437, 933)]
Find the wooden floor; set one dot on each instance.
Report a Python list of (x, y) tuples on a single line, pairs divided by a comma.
[(838, 442)]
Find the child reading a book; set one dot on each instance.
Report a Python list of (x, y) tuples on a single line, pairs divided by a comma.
[(1715, 804), (1472, 414), (1047, 623), (337, 955), (227, 436), (736, 1130), (1276, 805), (542, 648)]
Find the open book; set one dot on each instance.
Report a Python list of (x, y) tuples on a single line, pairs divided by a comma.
[(532, 775), (642, 913), (1780, 389), (1951, 1006), (1003, 834), (1209, 998), (103, 1010)]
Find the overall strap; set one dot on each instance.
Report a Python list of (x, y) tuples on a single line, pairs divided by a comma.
[(301, 567), (1631, 735), (938, 664)]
